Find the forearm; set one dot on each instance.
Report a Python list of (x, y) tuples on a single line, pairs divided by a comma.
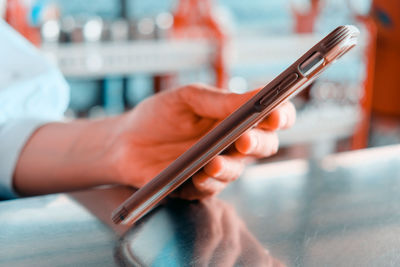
[(66, 156)]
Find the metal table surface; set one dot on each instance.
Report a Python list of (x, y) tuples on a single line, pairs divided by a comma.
[(343, 210)]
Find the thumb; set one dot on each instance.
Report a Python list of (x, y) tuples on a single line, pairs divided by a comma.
[(210, 102)]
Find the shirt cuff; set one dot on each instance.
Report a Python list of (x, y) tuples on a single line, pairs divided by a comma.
[(13, 137)]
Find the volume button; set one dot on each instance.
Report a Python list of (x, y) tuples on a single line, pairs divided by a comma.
[(269, 96), (288, 81)]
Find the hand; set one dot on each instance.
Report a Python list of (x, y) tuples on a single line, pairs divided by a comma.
[(133, 148), (164, 126)]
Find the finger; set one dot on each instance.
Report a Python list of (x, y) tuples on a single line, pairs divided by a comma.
[(225, 168), (210, 102), (231, 151), (258, 143), (206, 185), (189, 191), (281, 118), (200, 186)]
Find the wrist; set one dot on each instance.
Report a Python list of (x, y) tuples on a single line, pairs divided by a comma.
[(98, 146), (67, 156)]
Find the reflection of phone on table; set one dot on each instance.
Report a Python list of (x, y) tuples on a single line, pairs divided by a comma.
[(286, 85)]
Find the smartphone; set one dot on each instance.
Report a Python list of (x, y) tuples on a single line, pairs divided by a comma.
[(287, 84)]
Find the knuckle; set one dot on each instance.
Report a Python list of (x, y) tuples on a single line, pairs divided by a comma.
[(269, 144), (236, 170), (232, 170), (274, 144), (186, 92)]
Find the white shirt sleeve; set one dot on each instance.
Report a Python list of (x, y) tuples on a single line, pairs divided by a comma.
[(32, 93)]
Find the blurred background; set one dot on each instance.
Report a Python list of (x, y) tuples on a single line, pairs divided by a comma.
[(116, 53)]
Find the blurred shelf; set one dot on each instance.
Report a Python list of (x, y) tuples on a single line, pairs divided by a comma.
[(163, 56), (271, 49), (91, 60), (321, 124)]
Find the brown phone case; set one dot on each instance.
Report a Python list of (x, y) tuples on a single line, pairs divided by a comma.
[(286, 85)]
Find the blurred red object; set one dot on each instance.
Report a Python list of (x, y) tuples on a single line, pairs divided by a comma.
[(305, 21), (17, 16), (386, 89), (361, 134), (194, 19)]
